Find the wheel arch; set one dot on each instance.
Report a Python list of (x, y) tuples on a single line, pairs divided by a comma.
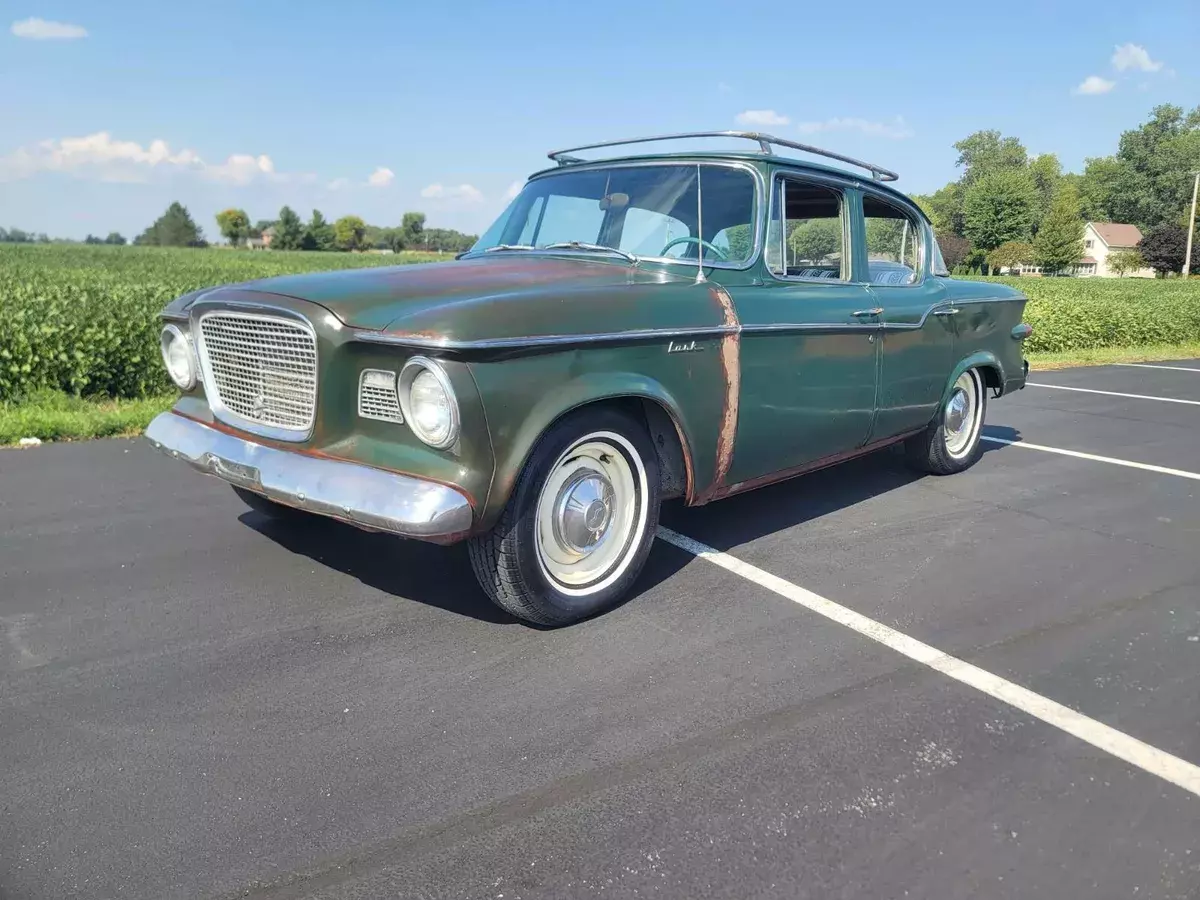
[(988, 365), (645, 398)]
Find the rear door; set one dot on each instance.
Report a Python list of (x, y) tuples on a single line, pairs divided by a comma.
[(917, 320)]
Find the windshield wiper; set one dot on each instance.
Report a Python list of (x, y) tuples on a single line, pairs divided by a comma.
[(510, 247), (593, 248)]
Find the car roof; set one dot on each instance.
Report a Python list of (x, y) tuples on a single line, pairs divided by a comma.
[(799, 165)]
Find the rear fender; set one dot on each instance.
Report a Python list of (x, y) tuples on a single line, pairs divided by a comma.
[(983, 359)]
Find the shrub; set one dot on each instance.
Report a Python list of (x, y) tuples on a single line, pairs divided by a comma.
[(84, 319), (1095, 313)]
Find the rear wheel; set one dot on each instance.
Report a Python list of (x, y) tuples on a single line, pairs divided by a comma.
[(579, 525), (952, 442)]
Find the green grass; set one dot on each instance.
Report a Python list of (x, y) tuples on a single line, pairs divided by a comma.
[(54, 416), (1106, 355)]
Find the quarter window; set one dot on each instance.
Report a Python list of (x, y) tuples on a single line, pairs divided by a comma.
[(807, 235), (894, 243)]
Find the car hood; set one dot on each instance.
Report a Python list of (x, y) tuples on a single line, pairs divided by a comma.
[(439, 297)]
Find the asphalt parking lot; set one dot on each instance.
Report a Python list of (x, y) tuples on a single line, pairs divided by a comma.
[(200, 703)]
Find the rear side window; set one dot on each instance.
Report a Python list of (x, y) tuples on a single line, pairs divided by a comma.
[(894, 243), (806, 237)]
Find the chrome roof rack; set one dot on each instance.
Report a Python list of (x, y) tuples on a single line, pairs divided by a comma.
[(765, 143)]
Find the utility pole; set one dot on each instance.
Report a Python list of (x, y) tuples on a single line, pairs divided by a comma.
[(1187, 257)]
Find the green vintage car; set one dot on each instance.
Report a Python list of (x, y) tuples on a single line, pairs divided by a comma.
[(684, 324)]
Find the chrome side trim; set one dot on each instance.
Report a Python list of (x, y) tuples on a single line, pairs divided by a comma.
[(545, 340), (354, 493), (647, 334)]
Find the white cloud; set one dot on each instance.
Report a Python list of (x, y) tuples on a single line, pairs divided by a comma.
[(1094, 84), (338, 183), (513, 190), (1134, 56), (381, 177), (41, 30), (724, 88), (896, 129), (465, 192), (764, 117), (102, 158)]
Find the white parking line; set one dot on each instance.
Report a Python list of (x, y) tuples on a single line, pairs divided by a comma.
[(1063, 387), (1150, 759), (1148, 366), (1128, 463)]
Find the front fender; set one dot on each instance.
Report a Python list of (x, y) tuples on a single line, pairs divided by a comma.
[(517, 422)]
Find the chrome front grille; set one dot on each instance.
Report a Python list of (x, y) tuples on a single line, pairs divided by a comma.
[(260, 369)]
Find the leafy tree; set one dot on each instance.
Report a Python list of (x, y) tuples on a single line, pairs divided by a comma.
[(985, 152), (17, 236), (1010, 255), (349, 232), (999, 207), (1125, 261), (92, 239), (1059, 242), (741, 237), (174, 228), (815, 240), (1098, 185), (946, 209), (412, 229), (954, 248), (1047, 173), (115, 237), (289, 231), (234, 225), (318, 235), (1163, 249)]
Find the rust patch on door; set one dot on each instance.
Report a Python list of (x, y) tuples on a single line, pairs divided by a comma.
[(731, 374)]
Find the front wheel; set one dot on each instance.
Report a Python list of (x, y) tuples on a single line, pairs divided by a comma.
[(952, 442), (579, 525)]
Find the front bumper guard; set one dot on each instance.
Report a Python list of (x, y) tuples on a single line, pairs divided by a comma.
[(361, 495)]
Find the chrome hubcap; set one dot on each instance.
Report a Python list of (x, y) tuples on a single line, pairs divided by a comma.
[(961, 418), (583, 511), (956, 412), (590, 513)]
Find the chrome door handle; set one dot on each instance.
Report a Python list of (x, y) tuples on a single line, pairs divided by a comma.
[(878, 310), (951, 311)]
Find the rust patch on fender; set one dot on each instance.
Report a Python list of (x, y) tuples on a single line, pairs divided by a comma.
[(731, 373)]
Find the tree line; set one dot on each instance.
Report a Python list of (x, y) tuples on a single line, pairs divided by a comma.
[(1008, 208)]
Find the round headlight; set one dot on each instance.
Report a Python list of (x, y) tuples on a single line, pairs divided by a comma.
[(431, 408), (178, 358)]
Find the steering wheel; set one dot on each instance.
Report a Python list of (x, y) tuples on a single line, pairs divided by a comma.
[(694, 240)]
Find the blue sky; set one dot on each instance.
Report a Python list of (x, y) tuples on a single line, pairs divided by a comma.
[(375, 108)]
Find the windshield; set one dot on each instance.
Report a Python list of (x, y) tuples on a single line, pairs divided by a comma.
[(649, 211)]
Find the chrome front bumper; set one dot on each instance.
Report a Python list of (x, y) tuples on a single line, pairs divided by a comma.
[(361, 495)]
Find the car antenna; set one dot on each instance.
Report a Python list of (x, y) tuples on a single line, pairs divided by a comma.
[(700, 279)]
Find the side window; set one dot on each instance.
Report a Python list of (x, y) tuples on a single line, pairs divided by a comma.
[(807, 235), (894, 243), (645, 232), (569, 219)]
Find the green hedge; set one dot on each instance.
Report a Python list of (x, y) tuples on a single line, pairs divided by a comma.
[(1095, 313), (84, 320)]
